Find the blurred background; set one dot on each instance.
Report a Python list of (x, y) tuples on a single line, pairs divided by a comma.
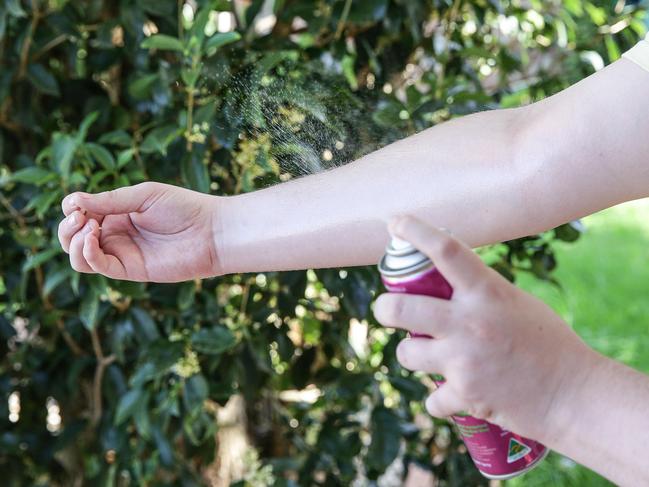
[(275, 378)]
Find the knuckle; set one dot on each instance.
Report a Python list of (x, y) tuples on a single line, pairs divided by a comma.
[(149, 186), (468, 365), (480, 410), (146, 185), (404, 223), (394, 309), (493, 290), (484, 330), (466, 387), (76, 265), (433, 406), (402, 354), (448, 248)]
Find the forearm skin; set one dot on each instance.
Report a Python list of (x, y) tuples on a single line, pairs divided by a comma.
[(460, 175), (487, 177), (602, 422)]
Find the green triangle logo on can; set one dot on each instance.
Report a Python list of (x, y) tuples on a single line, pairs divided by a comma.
[(516, 450)]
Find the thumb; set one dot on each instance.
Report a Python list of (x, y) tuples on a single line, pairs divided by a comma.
[(128, 199)]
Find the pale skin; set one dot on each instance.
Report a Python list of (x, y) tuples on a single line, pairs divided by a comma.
[(488, 177), (509, 359)]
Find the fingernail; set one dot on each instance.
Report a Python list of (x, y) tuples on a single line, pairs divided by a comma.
[(72, 201), (445, 230), (74, 218)]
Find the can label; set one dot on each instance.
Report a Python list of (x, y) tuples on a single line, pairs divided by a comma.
[(497, 453)]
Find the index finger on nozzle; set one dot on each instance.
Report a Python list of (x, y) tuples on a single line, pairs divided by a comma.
[(457, 262)]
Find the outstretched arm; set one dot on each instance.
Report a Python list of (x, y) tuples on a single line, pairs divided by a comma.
[(488, 177)]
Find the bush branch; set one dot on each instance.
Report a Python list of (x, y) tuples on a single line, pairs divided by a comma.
[(102, 363)]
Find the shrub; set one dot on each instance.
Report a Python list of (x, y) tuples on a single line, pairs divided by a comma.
[(148, 384)]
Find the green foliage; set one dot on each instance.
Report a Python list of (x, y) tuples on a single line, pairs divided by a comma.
[(96, 95)]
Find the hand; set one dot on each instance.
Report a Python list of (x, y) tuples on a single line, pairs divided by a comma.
[(506, 356), (148, 232)]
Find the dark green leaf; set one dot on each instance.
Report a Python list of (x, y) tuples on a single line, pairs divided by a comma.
[(33, 175), (128, 403), (85, 125), (63, 148), (43, 80), (119, 138), (220, 39), (40, 258), (196, 390), (569, 232), (163, 447), (200, 21), (124, 157), (368, 11), (386, 438), (3, 22), (43, 202), (213, 341), (159, 139), (55, 277), (142, 87), (101, 155), (195, 173), (142, 420), (89, 309), (163, 42), (186, 295), (145, 326)]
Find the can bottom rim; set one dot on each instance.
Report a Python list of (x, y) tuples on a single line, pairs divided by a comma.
[(520, 472)]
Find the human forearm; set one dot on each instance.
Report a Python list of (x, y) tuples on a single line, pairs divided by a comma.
[(460, 175), (586, 147), (488, 177), (602, 422)]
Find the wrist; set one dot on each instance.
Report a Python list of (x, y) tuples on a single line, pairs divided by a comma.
[(579, 386), (220, 208)]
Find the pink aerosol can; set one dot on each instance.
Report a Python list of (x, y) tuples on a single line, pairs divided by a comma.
[(497, 453)]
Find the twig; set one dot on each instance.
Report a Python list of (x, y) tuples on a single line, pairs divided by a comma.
[(12, 211), (343, 19), (180, 19), (47, 304), (50, 45), (102, 363), (244, 298), (190, 117), (449, 15), (24, 52)]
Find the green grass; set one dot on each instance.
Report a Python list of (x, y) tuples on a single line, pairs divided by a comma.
[(604, 278)]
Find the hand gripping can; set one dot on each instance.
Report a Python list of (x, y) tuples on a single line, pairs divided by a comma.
[(497, 453)]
